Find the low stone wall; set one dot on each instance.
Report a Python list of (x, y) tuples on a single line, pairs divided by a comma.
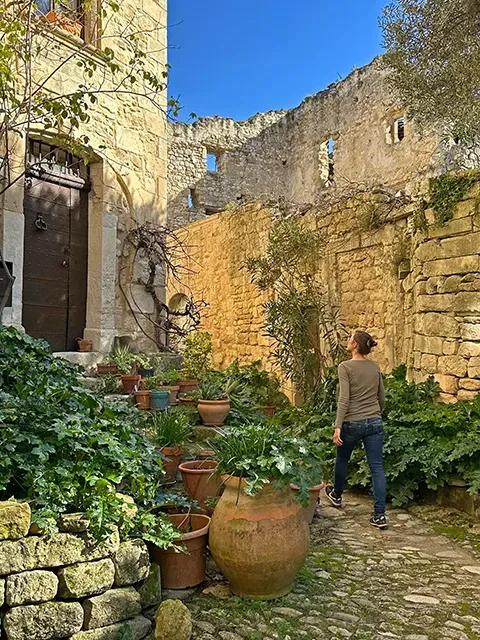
[(61, 586)]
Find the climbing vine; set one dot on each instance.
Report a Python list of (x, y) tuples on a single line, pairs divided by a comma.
[(446, 191)]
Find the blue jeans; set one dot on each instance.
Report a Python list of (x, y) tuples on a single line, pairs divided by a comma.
[(370, 431)]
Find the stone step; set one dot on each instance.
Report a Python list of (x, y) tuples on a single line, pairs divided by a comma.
[(88, 361)]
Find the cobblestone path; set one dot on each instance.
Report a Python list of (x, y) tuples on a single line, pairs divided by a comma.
[(419, 580)]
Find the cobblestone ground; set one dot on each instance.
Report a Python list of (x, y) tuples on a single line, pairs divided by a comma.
[(419, 580)]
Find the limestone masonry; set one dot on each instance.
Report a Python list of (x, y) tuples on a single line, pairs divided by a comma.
[(61, 586)]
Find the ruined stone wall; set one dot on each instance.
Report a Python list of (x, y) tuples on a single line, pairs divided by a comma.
[(418, 293), (287, 153), (62, 586)]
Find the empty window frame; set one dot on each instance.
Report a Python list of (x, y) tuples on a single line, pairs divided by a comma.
[(326, 161), (215, 160), (399, 130), (192, 200)]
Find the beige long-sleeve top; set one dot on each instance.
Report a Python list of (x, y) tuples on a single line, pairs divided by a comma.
[(361, 393)]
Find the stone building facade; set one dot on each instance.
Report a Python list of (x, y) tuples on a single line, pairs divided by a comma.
[(352, 134), (62, 231)]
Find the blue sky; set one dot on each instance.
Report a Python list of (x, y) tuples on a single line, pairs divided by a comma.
[(244, 56)]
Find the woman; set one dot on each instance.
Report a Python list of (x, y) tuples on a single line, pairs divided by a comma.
[(360, 405)]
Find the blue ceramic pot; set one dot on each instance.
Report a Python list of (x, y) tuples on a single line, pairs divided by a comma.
[(159, 399)]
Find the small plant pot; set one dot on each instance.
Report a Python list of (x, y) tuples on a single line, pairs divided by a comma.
[(143, 400), (213, 412), (184, 570), (159, 399), (200, 480), (146, 373), (84, 346), (130, 382), (187, 386), (187, 402), (206, 454), (269, 410), (309, 511), (172, 455), (107, 370), (64, 22), (173, 391)]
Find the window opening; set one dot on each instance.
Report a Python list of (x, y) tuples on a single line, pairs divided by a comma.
[(331, 160), (192, 199), (212, 162), (399, 129)]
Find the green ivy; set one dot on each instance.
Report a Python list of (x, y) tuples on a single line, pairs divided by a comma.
[(447, 190)]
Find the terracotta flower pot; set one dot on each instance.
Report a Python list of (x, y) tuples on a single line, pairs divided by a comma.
[(206, 454), (107, 370), (173, 393), (184, 570), (200, 480), (84, 345), (129, 382), (187, 386), (142, 399), (259, 542), (187, 402), (269, 410), (64, 22), (213, 412), (173, 455), (309, 511)]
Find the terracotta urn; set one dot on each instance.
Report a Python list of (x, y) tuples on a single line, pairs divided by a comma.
[(259, 542), (309, 510), (213, 412)]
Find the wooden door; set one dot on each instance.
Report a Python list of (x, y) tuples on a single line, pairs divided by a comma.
[(55, 260)]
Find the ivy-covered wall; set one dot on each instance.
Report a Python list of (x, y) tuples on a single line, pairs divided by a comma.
[(415, 287)]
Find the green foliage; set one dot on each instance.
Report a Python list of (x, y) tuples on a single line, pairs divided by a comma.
[(197, 355), (433, 48), (426, 442), (66, 451), (124, 359), (169, 428), (447, 190), (307, 333), (262, 453), (109, 385), (211, 389), (262, 388), (162, 379)]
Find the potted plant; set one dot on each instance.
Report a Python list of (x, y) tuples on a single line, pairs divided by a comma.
[(309, 510), (213, 403), (200, 480), (125, 362), (65, 22), (84, 346), (169, 431), (143, 400), (196, 360), (261, 388), (159, 395), (170, 382), (259, 534), (184, 570), (107, 369), (144, 365)]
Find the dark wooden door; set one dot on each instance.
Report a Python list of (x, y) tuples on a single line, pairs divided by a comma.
[(55, 262)]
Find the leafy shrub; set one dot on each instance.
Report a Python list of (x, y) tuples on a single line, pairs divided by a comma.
[(65, 450), (426, 442), (169, 428), (261, 453), (197, 355)]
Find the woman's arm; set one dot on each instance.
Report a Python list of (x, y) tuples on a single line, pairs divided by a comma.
[(343, 396), (381, 392)]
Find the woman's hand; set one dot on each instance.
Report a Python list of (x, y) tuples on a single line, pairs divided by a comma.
[(336, 438)]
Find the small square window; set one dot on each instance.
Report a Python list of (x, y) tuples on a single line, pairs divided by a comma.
[(399, 129), (212, 162)]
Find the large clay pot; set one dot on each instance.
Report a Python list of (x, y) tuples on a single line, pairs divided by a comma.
[(129, 382), (173, 393), (187, 386), (213, 412), (187, 402), (200, 480), (309, 510), (183, 570), (173, 455), (142, 399), (259, 542)]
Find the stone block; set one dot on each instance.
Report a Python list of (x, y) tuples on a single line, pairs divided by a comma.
[(469, 350), (451, 266), (451, 228), (427, 344), (86, 579), (111, 607), (452, 365), (470, 384), (459, 247), (448, 384), (151, 589), (450, 347), (428, 363), (31, 587), (2, 592), (451, 284), (470, 330), (135, 629), (74, 522), (437, 324), (173, 621), (474, 368), (132, 563), (428, 251), (463, 394), (14, 520), (447, 398), (43, 621), (467, 302), (56, 551), (437, 302)]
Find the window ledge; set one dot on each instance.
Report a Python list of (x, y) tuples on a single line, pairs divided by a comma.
[(84, 48)]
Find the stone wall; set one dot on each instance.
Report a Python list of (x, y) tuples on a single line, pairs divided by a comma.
[(128, 168), (286, 154), (418, 293), (62, 586)]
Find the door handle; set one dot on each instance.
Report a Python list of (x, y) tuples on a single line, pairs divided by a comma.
[(65, 263)]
